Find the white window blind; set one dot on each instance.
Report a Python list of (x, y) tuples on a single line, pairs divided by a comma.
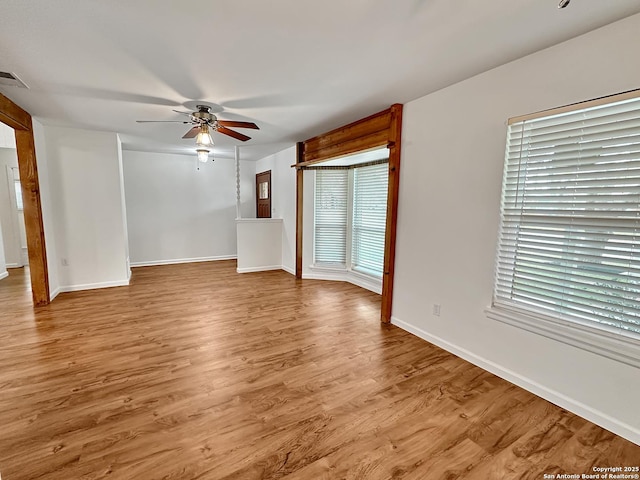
[(369, 218), (570, 221), (331, 202)]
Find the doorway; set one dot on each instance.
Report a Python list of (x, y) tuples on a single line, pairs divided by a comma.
[(20, 121), (13, 239)]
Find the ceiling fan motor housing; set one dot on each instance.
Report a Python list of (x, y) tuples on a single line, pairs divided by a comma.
[(203, 115)]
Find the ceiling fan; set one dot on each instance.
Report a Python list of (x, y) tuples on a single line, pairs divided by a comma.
[(203, 122)]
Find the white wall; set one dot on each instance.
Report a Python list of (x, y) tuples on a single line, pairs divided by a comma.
[(9, 220), (247, 189), (48, 220), (123, 204), (283, 200), (7, 136), (177, 213), (259, 244), (81, 170), (3, 263), (453, 152)]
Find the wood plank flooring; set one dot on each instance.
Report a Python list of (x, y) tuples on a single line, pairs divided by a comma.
[(196, 372)]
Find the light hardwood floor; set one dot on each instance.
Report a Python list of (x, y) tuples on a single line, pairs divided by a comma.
[(194, 371)]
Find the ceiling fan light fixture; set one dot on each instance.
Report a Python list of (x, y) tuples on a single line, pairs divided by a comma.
[(203, 139), (203, 155)]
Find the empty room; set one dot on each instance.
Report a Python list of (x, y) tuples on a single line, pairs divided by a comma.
[(319, 240)]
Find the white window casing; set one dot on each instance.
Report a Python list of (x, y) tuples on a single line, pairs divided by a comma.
[(568, 261)]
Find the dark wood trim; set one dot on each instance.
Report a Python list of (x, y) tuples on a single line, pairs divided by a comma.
[(359, 144), (14, 116), (327, 145), (299, 209), (379, 129), (18, 119), (395, 142)]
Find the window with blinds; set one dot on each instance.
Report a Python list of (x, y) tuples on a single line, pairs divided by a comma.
[(331, 209), (569, 242), (17, 188), (369, 218)]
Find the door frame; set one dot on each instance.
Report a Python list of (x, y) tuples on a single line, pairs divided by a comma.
[(21, 122), (13, 206), (383, 129)]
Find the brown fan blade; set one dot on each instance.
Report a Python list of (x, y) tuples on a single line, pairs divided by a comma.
[(232, 123), (233, 133), (192, 133)]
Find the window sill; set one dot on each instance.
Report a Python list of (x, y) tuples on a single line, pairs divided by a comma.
[(602, 341), (341, 273), (329, 268)]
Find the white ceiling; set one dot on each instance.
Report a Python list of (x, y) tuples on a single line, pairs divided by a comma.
[(296, 68)]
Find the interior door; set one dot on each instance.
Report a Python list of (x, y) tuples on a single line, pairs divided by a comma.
[(263, 194)]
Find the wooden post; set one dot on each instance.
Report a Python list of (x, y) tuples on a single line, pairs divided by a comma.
[(395, 142)]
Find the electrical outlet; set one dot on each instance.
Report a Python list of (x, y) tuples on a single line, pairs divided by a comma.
[(436, 309)]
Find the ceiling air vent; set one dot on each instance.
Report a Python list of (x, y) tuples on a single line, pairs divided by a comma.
[(11, 79)]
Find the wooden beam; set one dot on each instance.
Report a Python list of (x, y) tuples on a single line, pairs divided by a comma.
[(395, 139), (377, 122), (33, 215), (14, 116), (358, 144), (299, 209)]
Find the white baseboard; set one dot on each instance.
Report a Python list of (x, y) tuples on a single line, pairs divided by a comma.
[(54, 294), (599, 418), (182, 260), (328, 275), (363, 281), (4, 274), (259, 269), (14, 265), (292, 271), (93, 286), (344, 276)]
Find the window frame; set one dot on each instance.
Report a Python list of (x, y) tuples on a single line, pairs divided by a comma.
[(611, 342), (348, 267)]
